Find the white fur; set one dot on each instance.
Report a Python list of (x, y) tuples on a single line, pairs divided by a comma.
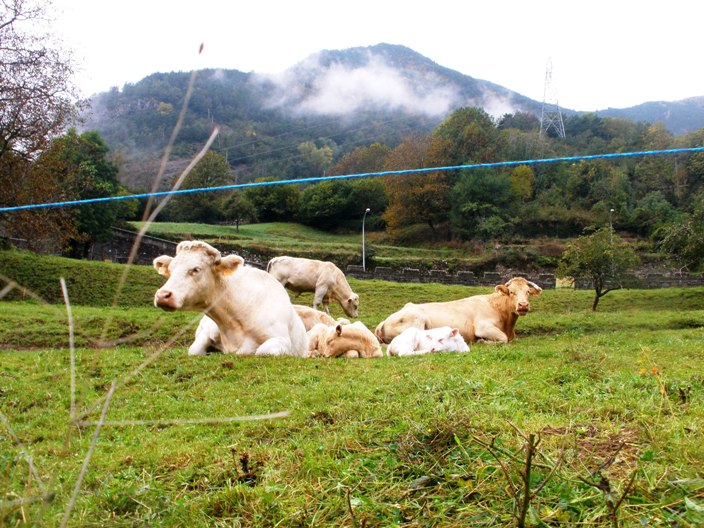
[(413, 341), (250, 309)]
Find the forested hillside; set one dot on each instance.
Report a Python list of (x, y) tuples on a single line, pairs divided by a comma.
[(294, 124), (654, 199), (365, 110)]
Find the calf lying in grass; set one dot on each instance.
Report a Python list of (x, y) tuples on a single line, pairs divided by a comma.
[(413, 341), (350, 341)]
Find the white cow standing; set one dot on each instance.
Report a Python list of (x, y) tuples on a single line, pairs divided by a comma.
[(414, 341), (251, 310), (323, 278)]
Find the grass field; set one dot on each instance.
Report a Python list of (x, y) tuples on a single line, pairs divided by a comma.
[(300, 240), (609, 405)]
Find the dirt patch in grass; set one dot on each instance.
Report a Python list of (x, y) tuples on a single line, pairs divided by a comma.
[(613, 453)]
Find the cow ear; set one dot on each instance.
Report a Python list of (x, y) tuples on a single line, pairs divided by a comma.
[(501, 288), (534, 288), (454, 332), (161, 264), (338, 329), (230, 264)]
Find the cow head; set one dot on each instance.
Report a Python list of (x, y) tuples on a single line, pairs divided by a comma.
[(194, 276), (343, 340), (443, 339), (397, 322), (518, 290), (351, 305)]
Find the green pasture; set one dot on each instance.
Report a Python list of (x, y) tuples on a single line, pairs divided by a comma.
[(295, 239), (610, 406)]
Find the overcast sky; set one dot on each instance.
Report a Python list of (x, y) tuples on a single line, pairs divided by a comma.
[(603, 54)]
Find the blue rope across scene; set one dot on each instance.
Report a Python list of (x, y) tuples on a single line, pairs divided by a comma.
[(354, 176)]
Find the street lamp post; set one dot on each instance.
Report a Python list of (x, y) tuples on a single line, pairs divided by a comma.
[(364, 260), (611, 241)]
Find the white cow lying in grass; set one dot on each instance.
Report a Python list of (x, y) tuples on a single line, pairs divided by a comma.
[(413, 341), (250, 308), (350, 341), (208, 333)]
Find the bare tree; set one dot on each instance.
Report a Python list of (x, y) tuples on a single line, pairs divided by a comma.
[(37, 97), (38, 102)]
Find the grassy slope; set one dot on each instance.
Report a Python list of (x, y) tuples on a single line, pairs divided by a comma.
[(389, 442), (299, 240)]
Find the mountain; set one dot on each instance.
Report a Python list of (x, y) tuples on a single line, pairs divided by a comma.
[(678, 117), (342, 99)]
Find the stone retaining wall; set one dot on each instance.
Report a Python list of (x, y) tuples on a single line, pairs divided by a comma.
[(118, 250), (544, 280)]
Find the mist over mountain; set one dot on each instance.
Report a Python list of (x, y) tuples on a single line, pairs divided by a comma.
[(383, 77), (340, 98)]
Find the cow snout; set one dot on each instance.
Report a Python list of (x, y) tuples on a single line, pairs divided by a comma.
[(379, 332), (164, 299), (523, 307)]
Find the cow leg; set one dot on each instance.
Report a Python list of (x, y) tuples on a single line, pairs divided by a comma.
[(319, 298), (275, 346), (489, 332), (200, 346)]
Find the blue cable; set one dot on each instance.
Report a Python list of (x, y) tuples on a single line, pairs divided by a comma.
[(351, 176)]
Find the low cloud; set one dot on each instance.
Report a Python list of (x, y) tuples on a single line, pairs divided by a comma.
[(339, 89)]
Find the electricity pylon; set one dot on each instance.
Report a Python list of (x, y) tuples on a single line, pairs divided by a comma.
[(550, 116)]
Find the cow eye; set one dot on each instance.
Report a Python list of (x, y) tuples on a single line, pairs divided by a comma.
[(195, 271)]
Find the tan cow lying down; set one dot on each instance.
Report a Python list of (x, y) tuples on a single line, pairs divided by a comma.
[(250, 308), (350, 341), (324, 279), (489, 317), (311, 317)]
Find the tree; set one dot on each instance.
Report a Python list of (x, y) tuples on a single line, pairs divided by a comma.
[(522, 180), (44, 230), (80, 166), (362, 160), (211, 171), (325, 205), (274, 203), (480, 204), (341, 204), (601, 257), (467, 136), (684, 240), (311, 161), (237, 208), (37, 98), (414, 198)]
